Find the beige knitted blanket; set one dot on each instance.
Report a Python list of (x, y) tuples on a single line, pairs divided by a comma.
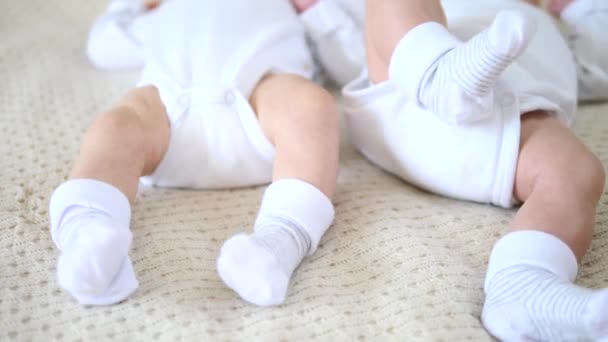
[(398, 264)]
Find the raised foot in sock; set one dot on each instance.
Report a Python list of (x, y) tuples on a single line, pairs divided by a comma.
[(459, 88)]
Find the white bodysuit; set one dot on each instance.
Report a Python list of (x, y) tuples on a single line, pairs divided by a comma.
[(336, 28), (475, 161), (205, 57)]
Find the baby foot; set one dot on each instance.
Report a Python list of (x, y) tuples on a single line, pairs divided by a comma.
[(252, 271), (94, 265), (526, 303), (458, 85), (259, 266), (90, 226)]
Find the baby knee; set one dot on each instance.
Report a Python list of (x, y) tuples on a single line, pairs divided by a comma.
[(129, 119), (584, 176), (288, 104), (119, 124), (144, 101), (312, 103), (592, 175)]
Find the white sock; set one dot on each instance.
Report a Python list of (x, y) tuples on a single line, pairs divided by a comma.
[(90, 226), (530, 295), (455, 79), (293, 217)]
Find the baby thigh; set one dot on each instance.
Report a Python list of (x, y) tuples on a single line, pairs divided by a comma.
[(288, 128)]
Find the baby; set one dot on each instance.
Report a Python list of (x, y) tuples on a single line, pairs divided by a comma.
[(225, 99), (478, 114), (482, 113), (337, 26)]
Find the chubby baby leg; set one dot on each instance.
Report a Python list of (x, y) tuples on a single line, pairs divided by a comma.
[(530, 294), (301, 120), (90, 213), (409, 44), (387, 22)]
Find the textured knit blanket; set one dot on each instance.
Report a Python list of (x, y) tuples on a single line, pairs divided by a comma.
[(398, 264)]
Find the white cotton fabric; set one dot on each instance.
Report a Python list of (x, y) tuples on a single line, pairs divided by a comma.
[(586, 22), (399, 264), (89, 223), (293, 218), (335, 28), (530, 275), (477, 161), (206, 57)]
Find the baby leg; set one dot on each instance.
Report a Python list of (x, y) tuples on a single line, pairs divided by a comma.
[(408, 43), (300, 119), (529, 289), (90, 213)]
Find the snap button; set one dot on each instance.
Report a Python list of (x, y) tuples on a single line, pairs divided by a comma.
[(508, 100), (229, 97), (183, 100)]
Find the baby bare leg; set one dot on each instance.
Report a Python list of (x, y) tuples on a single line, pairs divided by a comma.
[(529, 289), (90, 213), (302, 122)]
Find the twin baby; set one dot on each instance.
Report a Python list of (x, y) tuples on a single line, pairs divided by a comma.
[(228, 97)]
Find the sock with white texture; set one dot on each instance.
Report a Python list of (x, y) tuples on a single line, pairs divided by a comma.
[(530, 295), (293, 217), (455, 79), (90, 226)]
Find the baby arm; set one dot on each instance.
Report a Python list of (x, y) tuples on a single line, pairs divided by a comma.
[(337, 37), (111, 44)]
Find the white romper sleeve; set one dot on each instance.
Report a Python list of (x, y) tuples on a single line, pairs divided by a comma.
[(586, 22), (338, 40), (111, 45)]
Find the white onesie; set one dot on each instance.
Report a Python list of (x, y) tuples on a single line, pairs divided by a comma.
[(206, 57), (476, 161), (336, 29)]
